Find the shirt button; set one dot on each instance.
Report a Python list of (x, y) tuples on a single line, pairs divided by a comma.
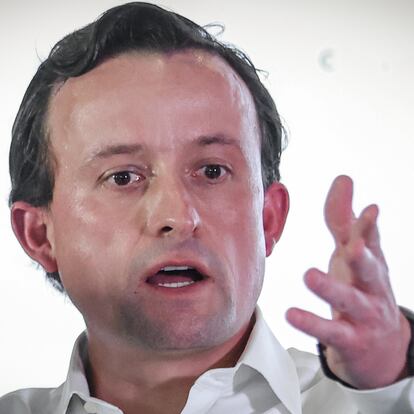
[(90, 407)]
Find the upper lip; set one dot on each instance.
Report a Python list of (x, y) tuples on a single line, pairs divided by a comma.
[(194, 263)]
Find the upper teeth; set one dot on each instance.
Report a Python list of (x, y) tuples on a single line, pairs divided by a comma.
[(172, 268)]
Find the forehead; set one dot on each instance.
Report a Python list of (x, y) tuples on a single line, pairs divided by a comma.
[(136, 91), (156, 70)]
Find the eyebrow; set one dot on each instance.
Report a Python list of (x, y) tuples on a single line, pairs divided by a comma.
[(119, 149), (220, 139)]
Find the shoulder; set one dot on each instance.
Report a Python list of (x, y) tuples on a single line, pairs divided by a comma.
[(31, 401)]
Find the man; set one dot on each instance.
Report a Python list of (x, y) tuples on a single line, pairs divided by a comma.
[(144, 167)]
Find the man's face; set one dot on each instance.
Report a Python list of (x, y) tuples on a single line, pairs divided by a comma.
[(156, 221)]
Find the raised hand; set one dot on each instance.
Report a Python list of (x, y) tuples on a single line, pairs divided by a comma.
[(367, 338)]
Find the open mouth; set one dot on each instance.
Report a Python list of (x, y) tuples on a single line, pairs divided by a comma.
[(174, 277)]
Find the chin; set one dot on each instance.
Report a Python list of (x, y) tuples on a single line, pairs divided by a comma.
[(181, 333)]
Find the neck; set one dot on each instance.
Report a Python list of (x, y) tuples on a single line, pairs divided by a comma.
[(149, 382)]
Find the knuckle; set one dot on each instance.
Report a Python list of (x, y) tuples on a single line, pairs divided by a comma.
[(380, 311), (342, 306), (348, 301)]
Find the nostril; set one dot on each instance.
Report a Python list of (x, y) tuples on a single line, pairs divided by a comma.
[(166, 229)]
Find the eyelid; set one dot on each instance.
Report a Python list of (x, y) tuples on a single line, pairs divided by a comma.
[(126, 167), (224, 167)]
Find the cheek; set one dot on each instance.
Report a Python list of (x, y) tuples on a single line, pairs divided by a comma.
[(89, 238), (244, 217), (236, 227)]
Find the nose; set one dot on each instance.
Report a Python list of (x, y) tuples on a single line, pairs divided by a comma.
[(170, 210)]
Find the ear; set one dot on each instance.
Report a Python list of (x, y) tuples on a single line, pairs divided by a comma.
[(30, 226), (275, 209)]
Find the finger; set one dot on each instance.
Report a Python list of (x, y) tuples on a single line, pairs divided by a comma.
[(369, 273), (345, 299), (336, 333), (366, 227), (338, 209)]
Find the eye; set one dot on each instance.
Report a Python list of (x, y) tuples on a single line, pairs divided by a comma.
[(124, 178), (213, 172)]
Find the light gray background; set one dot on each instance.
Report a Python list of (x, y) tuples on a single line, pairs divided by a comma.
[(341, 73)]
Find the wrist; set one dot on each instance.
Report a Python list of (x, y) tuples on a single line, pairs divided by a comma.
[(409, 368)]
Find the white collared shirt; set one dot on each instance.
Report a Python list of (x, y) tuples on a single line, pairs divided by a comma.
[(267, 380)]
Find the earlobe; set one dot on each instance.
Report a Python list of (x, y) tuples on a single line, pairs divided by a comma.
[(275, 210), (31, 229)]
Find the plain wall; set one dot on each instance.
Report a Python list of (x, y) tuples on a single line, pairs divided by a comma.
[(341, 73)]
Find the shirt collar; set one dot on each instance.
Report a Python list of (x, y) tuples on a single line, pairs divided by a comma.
[(263, 353), (76, 382), (266, 355)]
